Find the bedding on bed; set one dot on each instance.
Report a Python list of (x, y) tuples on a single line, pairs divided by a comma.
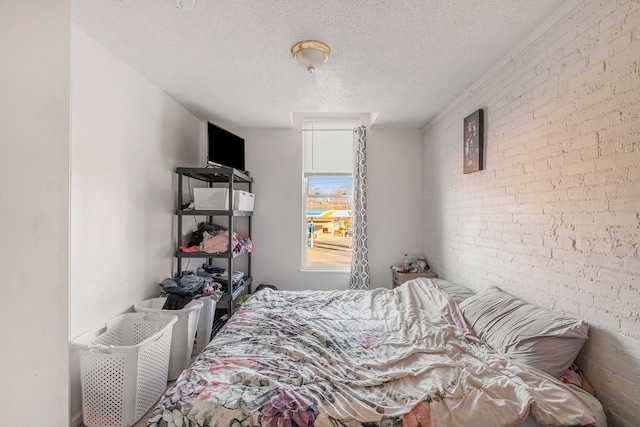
[(456, 291), (527, 333), (401, 357)]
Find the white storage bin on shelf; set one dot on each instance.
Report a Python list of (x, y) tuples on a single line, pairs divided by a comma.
[(184, 331), (243, 201), (123, 368), (218, 199), (211, 199)]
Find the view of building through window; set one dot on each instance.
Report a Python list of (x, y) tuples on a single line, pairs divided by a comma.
[(329, 220)]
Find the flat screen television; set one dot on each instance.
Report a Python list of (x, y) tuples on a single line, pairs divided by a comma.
[(225, 148)]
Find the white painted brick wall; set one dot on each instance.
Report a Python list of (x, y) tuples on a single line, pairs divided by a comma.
[(555, 215)]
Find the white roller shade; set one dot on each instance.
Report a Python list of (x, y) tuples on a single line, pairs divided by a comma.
[(328, 146)]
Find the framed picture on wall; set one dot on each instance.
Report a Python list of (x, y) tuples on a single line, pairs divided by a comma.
[(472, 149)]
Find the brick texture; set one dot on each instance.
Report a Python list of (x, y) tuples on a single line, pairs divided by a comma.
[(555, 215)]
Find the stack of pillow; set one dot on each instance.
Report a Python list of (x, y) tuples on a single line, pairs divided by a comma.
[(526, 333)]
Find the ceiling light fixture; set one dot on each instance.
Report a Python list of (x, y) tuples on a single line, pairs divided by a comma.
[(185, 5), (310, 54)]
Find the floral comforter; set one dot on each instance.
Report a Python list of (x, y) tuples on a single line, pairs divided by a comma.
[(398, 357)]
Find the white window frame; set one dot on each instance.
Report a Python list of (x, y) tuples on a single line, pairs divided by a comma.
[(323, 125)]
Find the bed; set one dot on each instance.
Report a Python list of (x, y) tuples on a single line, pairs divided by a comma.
[(421, 354)]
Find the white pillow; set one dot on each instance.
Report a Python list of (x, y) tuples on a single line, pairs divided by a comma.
[(458, 292), (525, 332)]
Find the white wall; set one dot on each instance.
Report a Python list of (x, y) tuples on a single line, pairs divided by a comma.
[(127, 139), (554, 216), (34, 195), (394, 167)]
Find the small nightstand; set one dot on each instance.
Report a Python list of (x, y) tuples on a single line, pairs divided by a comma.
[(400, 277)]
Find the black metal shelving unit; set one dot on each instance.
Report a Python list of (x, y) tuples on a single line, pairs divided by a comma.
[(232, 178)]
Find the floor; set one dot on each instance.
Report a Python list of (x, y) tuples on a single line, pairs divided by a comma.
[(143, 421)]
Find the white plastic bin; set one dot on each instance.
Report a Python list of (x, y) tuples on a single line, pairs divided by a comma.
[(205, 324), (243, 201), (123, 368), (184, 331), (211, 198)]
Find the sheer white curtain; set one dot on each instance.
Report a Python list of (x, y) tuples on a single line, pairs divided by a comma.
[(359, 258)]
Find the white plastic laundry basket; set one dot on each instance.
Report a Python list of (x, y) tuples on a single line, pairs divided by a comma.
[(123, 368), (184, 331), (205, 324)]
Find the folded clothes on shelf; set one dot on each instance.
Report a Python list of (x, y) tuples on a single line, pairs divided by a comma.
[(189, 285), (220, 274)]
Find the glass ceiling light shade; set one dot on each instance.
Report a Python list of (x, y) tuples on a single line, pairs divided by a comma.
[(310, 54), (185, 5)]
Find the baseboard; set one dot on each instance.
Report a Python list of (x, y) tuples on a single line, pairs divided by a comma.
[(76, 420)]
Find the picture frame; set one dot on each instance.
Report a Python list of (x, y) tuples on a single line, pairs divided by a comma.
[(472, 148)]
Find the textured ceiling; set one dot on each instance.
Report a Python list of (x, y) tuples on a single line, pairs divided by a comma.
[(229, 61)]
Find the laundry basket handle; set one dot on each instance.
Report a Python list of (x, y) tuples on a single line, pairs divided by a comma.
[(105, 348)]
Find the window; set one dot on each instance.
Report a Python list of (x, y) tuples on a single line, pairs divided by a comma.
[(328, 193)]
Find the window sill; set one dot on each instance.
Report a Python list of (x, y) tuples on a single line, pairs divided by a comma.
[(345, 270)]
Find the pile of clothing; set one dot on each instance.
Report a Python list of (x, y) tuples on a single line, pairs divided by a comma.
[(220, 274), (186, 287), (214, 239)]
